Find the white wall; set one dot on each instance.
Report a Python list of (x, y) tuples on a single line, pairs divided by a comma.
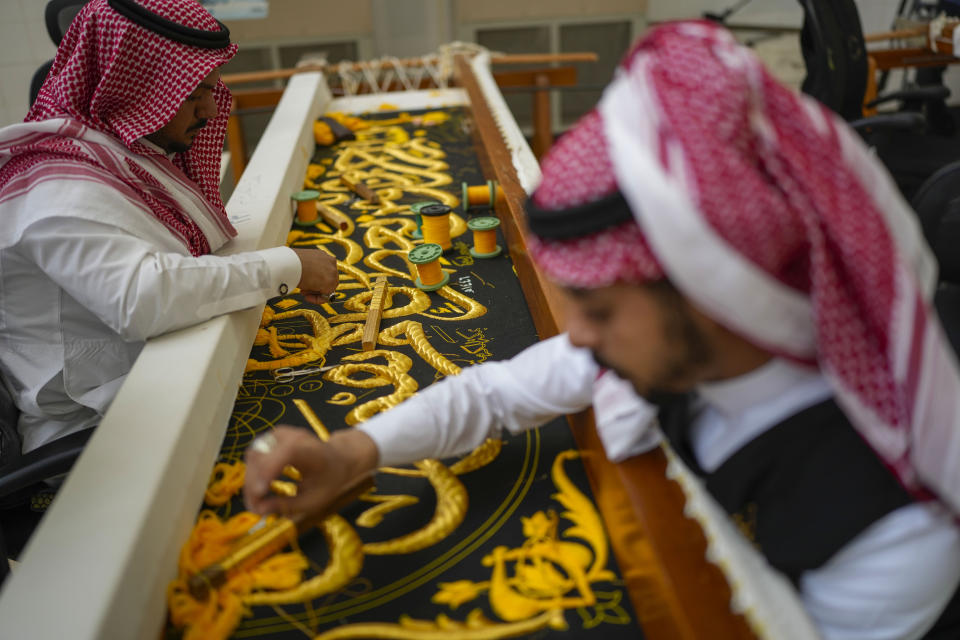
[(24, 46)]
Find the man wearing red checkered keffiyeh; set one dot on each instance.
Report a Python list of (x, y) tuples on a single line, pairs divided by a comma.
[(800, 277), (110, 211), (731, 252)]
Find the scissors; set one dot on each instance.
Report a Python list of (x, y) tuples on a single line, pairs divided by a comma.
[(289, 374)]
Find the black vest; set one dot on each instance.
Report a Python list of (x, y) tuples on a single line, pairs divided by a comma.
[(802, 489)]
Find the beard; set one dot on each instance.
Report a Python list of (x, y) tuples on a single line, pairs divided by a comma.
[(688, 354), (178, 147), (654, 394)]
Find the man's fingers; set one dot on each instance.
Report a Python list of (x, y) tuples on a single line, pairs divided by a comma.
[(310, 502), (266, 457), (316, 298)]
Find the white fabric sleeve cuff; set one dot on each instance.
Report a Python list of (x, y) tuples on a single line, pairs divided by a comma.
[(285, 268), (626, 423)]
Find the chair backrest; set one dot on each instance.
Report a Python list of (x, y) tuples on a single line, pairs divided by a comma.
[(9, 436), (58, 15), (937, 204), (37, 81), (835, 55)]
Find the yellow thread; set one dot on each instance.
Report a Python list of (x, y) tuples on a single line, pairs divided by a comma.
[(218, 616), (385, 504), (485, 241), (430, 273), (379, 233), (307, 211), (347, 333), (436, 229), (353, 251), (275, 349), (395, 373), (314, 171), (362, 279), (374, 261), (480, 194), (312, 419), (414, 336), (343, 398), (283, 488), (548, 573), (346, 560), (447, 515), (286, 303), (479, 457), (315, 346), (419, 302), (225, 481), (476, 627), (473, 308)]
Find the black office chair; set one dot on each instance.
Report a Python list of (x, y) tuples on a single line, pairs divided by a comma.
[(22, 477), (836, 58), (58, 15), (937, 204)]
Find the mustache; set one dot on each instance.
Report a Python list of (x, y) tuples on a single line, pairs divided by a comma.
[(199, 125)]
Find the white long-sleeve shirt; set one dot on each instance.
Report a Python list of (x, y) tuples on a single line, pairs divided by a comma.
[(890, 582), (80, 295)]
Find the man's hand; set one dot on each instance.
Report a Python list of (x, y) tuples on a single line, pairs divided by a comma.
[(319, 275), (328, 469)]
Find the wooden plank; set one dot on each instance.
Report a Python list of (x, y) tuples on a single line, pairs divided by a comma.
[(255, 98), (374, 310), (556, 77), (542, 118), (901, 34), (676, 592), (913, 57)]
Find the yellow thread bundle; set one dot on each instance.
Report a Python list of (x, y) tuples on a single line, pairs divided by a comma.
[(225, 482), (219, 615)]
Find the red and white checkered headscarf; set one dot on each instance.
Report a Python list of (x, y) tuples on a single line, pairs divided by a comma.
[(768, 213), (117, 78)]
